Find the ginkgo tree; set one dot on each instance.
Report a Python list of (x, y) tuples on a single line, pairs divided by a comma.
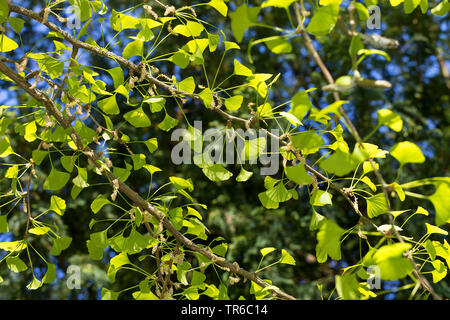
[(77, 120)]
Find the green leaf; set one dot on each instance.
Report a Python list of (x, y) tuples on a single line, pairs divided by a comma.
[(316, 220), (109, 295), (138, 295), (117, 76), (53, 67), (347, 286), (99, 239), (279, 193), (241, 70), (234, 103), (168, 123), (134, 48), (34, 284), (244, 175), (60, 244), (56, 180), (15, 264), (267, 202), (190, 29), (328, 241), (243, 18), (279, 45), (120, 21), (7, 44), (266, 251), (291, 118), (391, 119), (217, 172), (320, 198), (4, 228), (13, 246), (138, 160), (50, 275), (407, 152), (98, 203), (355, 45), (38, 156), (4, 11), (439, 272), (137, 118), (286, 258), (298, 174), (207, 97), (39, 231), (323, 20), (182, 183), (277, 3), (220, 6), (5, 148), (308, 142), (253, 148), (109, 105), (433, 229), (187, 85), (300, 105), (393, 265), (58, 205), (376, 205), (95, 252), (156, 103), (151, 144)]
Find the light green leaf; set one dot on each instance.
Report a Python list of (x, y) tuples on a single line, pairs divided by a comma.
[(328, 241), (34, 284), (286, 258), (241, 70), (439, 272), (98, 203), (4, 11), (56, 180), (39, 231), (407, 152), (339, 163), (298, 174), (4, 228), (323, 20), (376, 205), (190, 29), (217, 172), (393, 265), (244, 175), (279, 193), (433, 229), (134, 48), (220, 6), (277, 3), (182, 183), (391, 119), (15, 264), (187, 85), (168, 123), (266, 251), (151, 144), (50, 275), (117, 76), (58, 205), (233, 103), (137, 118), (320, 198), (243, 18)]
